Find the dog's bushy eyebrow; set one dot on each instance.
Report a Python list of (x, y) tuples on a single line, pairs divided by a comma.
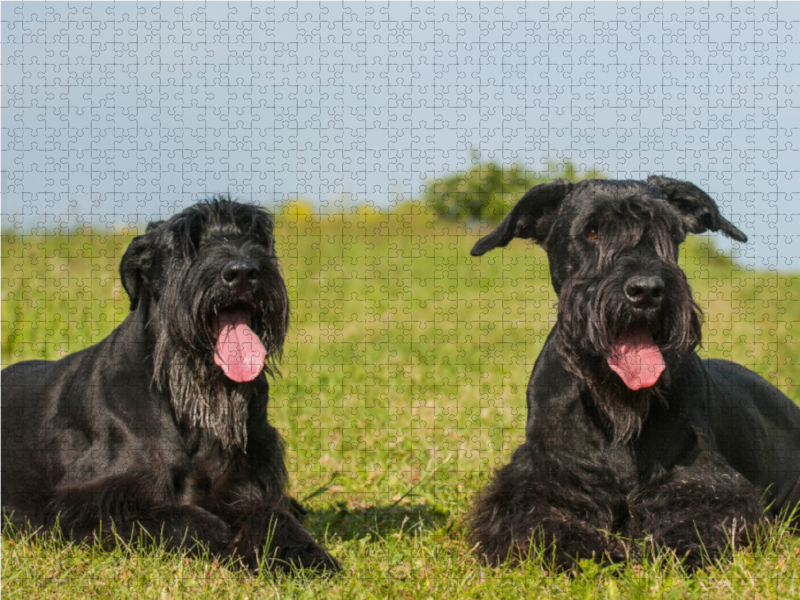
[(262, 223), (181, 228), (222, 215), (624, 223), (259, 221)]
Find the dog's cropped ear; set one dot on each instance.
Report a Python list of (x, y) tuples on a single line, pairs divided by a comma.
[(531, 218), (136, 262), (698, 211)]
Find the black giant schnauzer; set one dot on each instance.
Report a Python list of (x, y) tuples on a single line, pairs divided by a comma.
[(162, 427), (628, 430)]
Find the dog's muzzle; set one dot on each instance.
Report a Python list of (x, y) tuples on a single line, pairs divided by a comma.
[(240, 275), (644, 292)]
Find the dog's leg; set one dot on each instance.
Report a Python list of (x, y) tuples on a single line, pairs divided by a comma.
[(267, 529), (271, 534), (129, 506), (699, 514), (252, 499), (527, 508)]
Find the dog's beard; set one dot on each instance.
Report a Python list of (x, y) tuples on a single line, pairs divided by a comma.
[(594, 321), (204, 400), (202, 397), (204, 394)]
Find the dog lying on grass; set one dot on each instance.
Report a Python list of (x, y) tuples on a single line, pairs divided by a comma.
[(628, 431), (162, 428)]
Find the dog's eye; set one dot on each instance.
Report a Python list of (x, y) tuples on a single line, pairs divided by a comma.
[(591, 232)]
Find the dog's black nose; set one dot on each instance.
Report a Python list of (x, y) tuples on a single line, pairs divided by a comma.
[(644, 292), (240, 274)]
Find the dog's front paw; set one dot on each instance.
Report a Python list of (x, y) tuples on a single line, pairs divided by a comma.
[(566, 543), (699, 542), (276, 540), (302, 556)]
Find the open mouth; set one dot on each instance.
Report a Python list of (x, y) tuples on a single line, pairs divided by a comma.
[(238, 350), (636, 358)]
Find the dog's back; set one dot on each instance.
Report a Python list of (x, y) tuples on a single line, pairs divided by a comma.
[(757, 429), (63, 421), (25, 409)]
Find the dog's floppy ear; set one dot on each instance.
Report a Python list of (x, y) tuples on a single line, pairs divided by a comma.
[(531, 218), (698, 211), (136, 261)]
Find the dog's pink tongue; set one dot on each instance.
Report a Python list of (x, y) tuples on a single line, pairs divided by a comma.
[(637, 359), (238, 351)]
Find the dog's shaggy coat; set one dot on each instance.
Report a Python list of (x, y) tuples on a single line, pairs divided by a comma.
[(628, 430), (162, 427)]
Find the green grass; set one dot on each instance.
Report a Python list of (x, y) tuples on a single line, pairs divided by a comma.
[(403, 388)]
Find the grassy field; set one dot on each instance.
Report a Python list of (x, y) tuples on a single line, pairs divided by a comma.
[(402, 389)]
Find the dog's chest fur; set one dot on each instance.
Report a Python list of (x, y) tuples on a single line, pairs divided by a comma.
[(208, 466), (574, 438), (572, 432)]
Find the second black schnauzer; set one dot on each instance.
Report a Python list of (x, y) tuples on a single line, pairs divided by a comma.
[(162, 427), (628, 430)]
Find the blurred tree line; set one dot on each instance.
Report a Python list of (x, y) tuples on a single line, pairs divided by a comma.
[(483, 194), (488, 191)]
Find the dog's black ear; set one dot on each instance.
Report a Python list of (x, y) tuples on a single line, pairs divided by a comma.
[(699, 212), (531, 218), (136, 262)]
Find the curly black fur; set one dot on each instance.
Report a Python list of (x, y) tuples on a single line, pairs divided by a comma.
[(686, 462), (144, 432)]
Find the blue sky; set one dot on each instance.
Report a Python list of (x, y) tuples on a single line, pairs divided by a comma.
[(117, 113)]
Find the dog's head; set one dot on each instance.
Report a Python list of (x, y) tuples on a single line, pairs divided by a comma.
[(210, 278), (625, 306)]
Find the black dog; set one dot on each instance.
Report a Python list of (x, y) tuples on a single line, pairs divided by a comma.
[(162, 426), (628, 430)]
